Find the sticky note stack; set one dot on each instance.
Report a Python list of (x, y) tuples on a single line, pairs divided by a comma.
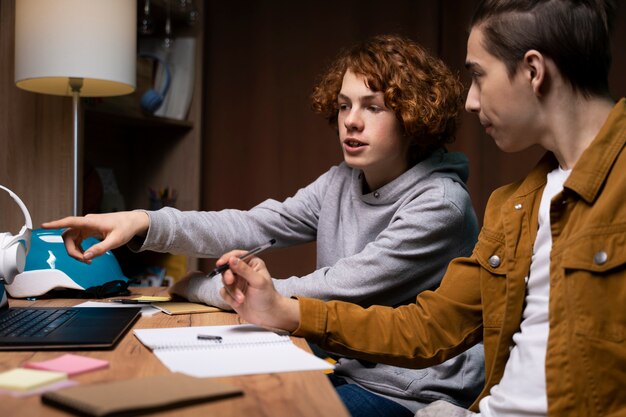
[(21, 379), (42, 376), (69, 364)]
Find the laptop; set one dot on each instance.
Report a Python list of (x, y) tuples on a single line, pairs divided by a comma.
[(39, 328)]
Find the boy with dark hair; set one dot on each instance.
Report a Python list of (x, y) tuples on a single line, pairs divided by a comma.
[(545, 286), (512, 27)]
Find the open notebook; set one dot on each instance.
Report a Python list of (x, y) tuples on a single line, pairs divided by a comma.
[(243, 349)]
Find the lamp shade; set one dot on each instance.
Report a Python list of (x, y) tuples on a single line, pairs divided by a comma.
[(90, 39)]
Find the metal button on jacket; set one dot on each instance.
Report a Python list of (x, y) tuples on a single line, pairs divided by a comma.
[(494, 261), (600, 257), (376, 194)]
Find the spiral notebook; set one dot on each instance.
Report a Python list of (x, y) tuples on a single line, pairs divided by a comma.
[(230, 350)]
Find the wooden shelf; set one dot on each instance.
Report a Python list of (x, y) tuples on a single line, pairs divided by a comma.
[(145, 151), (130, 117)]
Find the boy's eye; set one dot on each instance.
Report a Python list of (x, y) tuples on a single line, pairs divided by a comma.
[(343, 106), (374, 108)]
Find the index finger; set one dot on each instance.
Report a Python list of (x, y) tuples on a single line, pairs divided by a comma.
[(237, 253), (66, 222)]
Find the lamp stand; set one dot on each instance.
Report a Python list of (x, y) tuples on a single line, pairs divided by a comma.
[(75, 84)]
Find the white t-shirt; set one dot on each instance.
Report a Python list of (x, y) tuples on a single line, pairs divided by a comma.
[(522, 390)]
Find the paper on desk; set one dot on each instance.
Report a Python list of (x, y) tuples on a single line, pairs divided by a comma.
[(146, 309)]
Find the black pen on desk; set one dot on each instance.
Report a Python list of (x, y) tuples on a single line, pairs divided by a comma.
[(243, 257), (130, 301), (210, 337)]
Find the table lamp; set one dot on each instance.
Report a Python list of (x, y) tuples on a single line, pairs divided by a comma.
[(76, 48)]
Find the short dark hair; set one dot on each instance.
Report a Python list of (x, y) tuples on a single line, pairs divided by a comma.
[(424, 94), (575, 34)]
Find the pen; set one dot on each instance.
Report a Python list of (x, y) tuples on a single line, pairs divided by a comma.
[(210, 337), (130, 301), (243, 257)]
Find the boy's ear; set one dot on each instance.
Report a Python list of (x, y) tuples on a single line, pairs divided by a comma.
[(534, 66)]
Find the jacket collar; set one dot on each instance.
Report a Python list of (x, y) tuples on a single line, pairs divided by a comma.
[(594, 164), (537, 176)]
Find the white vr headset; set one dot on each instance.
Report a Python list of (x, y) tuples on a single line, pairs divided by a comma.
[(13, 249)]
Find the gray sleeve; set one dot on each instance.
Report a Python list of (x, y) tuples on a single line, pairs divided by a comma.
[(408, 257), (211, 234)]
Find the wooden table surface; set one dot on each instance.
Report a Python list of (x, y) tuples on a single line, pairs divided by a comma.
[(288, 394)]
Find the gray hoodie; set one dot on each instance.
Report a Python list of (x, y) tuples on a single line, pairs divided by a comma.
[(383, 247)]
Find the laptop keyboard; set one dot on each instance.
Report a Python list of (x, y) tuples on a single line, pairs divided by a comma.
[(33, 322)]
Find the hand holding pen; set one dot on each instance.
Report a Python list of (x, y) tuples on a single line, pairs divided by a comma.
[(220, 269), (249, 290)]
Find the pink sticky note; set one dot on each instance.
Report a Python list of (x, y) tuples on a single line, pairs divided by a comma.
[(70, 364)]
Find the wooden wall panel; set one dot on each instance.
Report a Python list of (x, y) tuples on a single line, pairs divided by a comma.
[(35, 142)]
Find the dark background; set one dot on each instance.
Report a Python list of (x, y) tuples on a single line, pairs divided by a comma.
[(262, 59)]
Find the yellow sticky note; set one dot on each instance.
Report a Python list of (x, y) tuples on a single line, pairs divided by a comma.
[(153, 298), (173, 308), (21, 379), (332, 362)]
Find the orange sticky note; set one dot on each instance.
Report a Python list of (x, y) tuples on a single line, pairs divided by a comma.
[(70, 364)]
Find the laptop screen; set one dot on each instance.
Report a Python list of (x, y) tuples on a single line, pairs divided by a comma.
[(4, 301)]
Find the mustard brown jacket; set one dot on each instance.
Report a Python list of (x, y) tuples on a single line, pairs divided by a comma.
[(481, 297)]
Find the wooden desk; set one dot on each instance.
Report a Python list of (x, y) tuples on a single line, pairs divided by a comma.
[(282, 394)]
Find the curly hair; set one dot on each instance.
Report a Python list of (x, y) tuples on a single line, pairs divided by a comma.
[(424, 94)]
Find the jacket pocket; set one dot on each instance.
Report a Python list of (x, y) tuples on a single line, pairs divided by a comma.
[(595, 279), (490, 254), (594, 297)]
